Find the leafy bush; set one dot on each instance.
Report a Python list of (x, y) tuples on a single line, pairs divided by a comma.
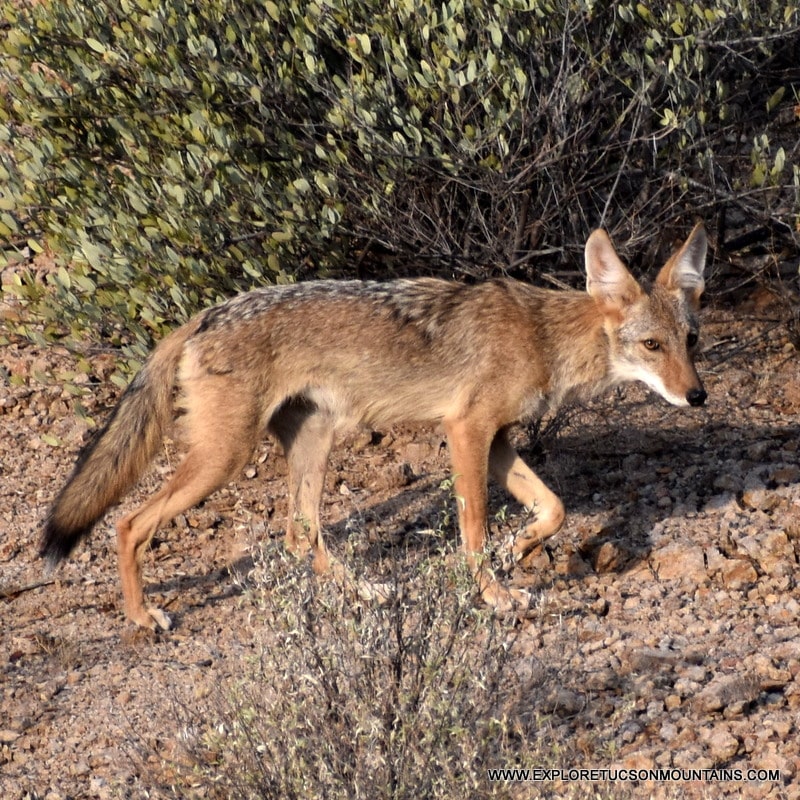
[(172, 153)]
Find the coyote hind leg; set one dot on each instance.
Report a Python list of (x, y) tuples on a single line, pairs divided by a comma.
[(212, 460), (508, 469)]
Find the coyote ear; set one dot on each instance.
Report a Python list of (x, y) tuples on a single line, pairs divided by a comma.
[(607, 278), (683, 273)]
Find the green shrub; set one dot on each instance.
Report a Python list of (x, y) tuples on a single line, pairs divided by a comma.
[(169, 153), (418, 698)]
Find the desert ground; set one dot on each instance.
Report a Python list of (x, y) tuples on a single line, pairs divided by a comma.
[(664, 623)]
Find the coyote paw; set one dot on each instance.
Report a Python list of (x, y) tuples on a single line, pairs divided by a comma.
[(161, 619), (151, 617), (378, 593), (506, 600), (528, 538), (362, 589)]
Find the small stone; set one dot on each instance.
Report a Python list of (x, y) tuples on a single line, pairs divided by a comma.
[(729, 690), (74, 677), (738, 573), (680, 561), (785, 474), (630, 731), (602, 680), (695, 672), (722, 502), (669, 731), (755, 494), (638, 761), (722, 745), (565, 703), (599, 607), (772, 761)]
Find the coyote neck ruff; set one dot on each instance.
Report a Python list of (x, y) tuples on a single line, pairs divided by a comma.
[(309, 361)]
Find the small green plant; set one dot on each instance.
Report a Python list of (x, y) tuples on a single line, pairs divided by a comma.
[(413, 699)]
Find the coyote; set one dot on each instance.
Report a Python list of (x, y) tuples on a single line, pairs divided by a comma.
[(307, 362)]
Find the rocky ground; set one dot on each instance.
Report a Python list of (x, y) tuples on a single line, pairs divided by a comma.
[(665, 612)]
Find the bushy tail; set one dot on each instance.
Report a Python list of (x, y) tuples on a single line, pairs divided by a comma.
[(118, 454)]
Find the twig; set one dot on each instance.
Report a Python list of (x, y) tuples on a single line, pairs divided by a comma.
[(735, 198), (15, 591), (721, 358)]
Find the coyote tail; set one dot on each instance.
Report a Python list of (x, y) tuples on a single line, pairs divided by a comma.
[(118, 453)]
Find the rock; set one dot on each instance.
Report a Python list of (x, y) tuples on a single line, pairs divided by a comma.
[(738, 573), (691, 758), (607, 556), (755, 494), (775, 761), (564, 702), (573, 564), (772, 550), (729, 691), (715, 561), (722, 502), (638, 761), (777, 554), (722, 745), (536, 561), (785, 474), (679, 561), (629, 731), (599, 607), (769, 675), (649, 658), (668, 732), (672, 701)]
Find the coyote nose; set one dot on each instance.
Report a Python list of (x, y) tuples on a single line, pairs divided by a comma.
[(696, 397)]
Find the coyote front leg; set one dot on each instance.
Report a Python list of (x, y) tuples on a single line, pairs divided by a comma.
[(514, 475), (470, 444)]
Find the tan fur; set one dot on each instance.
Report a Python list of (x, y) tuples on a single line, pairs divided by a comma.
[(310, 361)]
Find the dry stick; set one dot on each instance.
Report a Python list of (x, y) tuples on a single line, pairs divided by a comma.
[(731, 197), (15, 591), (742, 346)]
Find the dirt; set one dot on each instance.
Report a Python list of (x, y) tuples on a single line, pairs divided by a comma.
[(666, 609)]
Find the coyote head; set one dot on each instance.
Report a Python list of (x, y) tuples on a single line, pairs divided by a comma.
[(653, 334)]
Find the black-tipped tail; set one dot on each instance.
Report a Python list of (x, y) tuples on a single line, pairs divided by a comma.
[(117, 455), (57, 543)]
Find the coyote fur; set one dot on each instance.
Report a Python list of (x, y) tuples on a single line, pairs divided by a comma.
[(307, 362)]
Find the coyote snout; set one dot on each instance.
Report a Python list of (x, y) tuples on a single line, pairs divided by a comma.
[(309, 361), (696, 396)]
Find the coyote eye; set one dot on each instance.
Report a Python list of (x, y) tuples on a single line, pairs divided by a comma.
[(691, 339), (651, 344)]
